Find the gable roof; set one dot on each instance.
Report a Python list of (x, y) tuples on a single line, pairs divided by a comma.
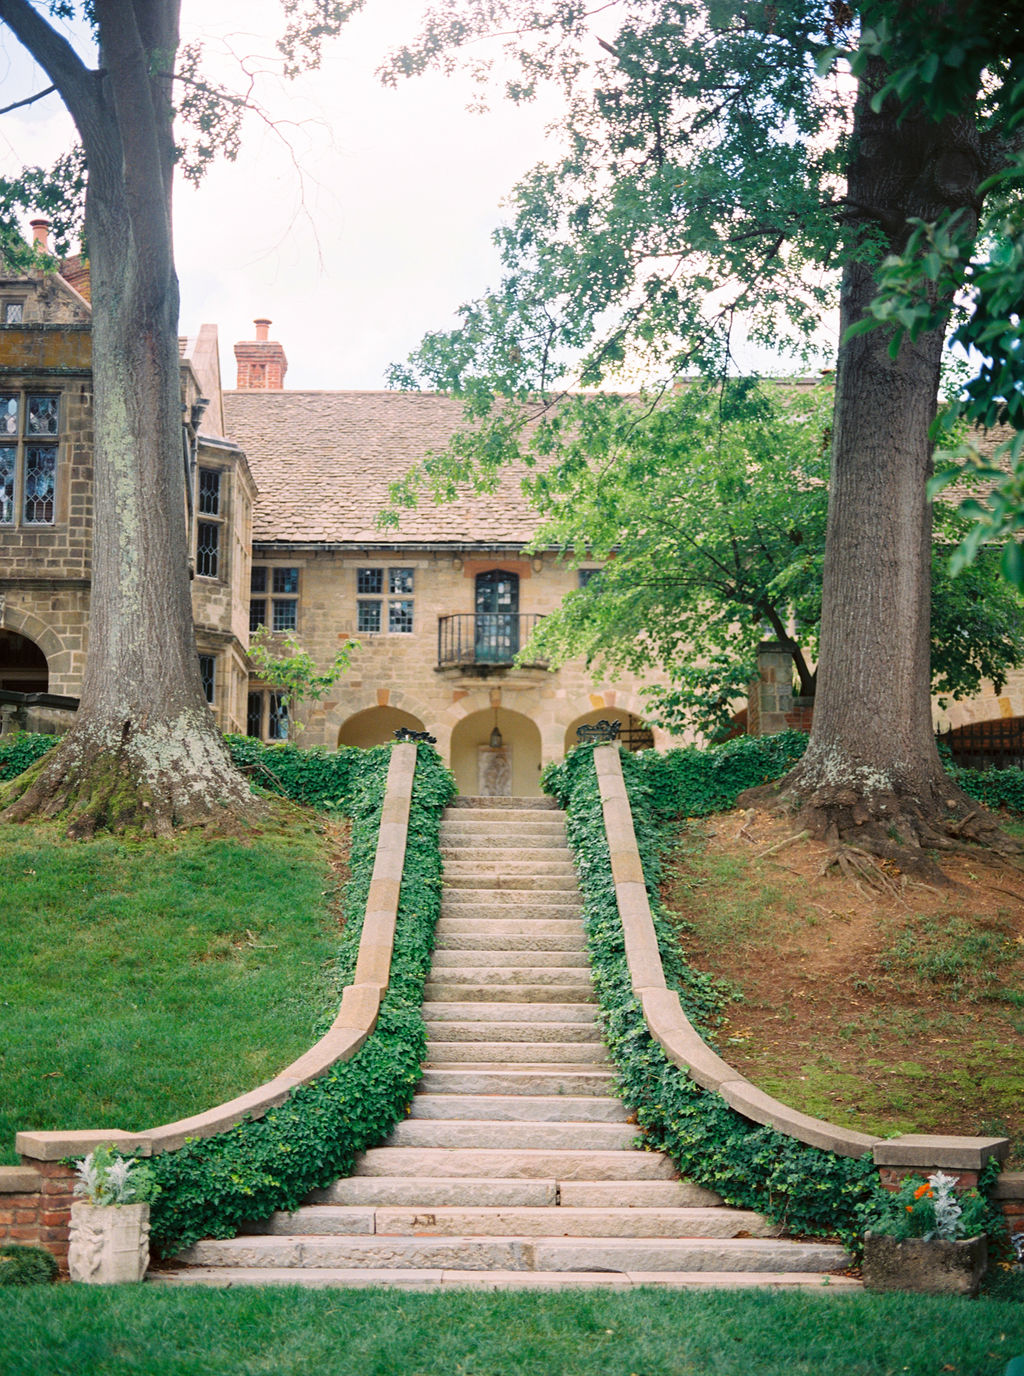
[(323, 462)]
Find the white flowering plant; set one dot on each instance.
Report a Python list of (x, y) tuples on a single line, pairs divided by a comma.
[(931, 1209), (104, 1177)]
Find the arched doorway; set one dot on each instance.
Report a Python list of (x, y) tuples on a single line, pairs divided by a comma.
[(23, 667), (634, 733), (376, 726), (510, 768)]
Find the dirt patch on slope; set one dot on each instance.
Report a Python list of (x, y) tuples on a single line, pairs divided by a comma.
[(898, 1009)]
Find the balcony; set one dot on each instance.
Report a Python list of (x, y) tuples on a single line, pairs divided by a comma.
[(484, 641)]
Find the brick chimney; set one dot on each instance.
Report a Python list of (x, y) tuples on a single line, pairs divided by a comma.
[(40, 234), (261, 361)]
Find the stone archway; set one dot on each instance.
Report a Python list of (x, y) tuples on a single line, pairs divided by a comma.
[(23, 665), (513, 768), (376, 726)]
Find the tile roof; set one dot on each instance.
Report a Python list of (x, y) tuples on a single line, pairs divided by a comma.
[(323, 461)]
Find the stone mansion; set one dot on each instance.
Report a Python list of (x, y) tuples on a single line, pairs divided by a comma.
[(282, 490)]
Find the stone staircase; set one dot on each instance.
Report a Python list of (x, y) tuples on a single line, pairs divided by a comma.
[(517, 1166)]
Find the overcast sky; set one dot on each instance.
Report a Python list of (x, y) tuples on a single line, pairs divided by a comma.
[(377, 235)]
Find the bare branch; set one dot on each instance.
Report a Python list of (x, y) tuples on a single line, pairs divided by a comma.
[(29, 100)]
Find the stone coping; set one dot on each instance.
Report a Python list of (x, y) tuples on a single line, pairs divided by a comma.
[(356, 1017), (20, 1180), (684, 1046)]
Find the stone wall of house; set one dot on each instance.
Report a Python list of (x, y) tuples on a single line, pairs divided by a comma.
[(396, 674)]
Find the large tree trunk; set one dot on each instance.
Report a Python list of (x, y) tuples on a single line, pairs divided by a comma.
[(871, 771), (144, 750)]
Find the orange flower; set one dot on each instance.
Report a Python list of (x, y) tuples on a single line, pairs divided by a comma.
[(921, 1190), (910, 1208)]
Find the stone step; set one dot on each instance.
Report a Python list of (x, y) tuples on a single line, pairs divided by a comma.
[(470, 1011), (421, 1278), (509, 993), (478, 803), (635, 1194), (530, 911), (475, 934), (484, 1134), (466, 1192), (529, 976), (524, 1163), (516, 1053), (567, 1033), (499, 1221), (546, 1081), (474, 882), (520, 1108), (515, 863), (448, 959), (415, 1192), (499, 839), (520, 1253)]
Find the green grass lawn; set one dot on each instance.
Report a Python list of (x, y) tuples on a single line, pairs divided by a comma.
[(141, 1331), (141, 981)]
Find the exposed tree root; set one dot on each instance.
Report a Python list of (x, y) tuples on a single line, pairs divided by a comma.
[(151, 779), (911, 827)]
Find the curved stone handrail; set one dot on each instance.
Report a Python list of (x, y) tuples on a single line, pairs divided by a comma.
[(356, 1019), (684, 1046)]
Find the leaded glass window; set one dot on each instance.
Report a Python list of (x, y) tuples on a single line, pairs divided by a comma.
[(285, 614), (40, 481), (400, 580), (207, 669), (368, 617), (207, 549), (14, 312), (209, 491), (8, 464), (28, 469), (257, 613), (369, 581), (286, 580), (254, 715), (400, 616), (42, 415), (277, 717), (258, 579)]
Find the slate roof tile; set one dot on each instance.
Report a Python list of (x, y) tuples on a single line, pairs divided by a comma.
[(323, 462)]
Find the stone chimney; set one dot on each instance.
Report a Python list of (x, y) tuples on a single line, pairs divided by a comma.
[(40, 234), (261, 361)]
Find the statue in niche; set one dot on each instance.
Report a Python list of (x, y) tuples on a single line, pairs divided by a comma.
[(494, 772)]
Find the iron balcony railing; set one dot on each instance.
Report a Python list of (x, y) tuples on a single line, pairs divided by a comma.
[(483, 638)]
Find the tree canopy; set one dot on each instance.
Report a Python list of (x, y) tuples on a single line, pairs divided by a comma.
[(724, 171), (708, 513)]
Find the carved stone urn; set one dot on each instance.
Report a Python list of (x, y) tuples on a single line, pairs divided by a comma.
[(109, 1243), (928, 1267)]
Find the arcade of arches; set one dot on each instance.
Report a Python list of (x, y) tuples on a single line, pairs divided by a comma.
[(376, 726)]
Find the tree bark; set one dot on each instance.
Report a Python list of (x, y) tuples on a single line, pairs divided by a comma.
[(144, 750), (871, 771)]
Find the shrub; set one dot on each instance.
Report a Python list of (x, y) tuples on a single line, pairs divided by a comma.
[(26, 1265)]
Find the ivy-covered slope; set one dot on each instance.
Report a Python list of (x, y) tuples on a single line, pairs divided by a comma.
[(806, 1189), (210, 1186)]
